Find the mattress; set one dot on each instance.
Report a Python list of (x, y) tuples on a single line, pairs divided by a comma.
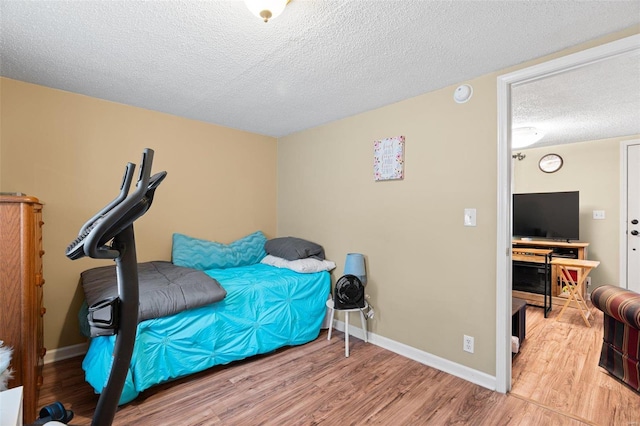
[(266, 308)]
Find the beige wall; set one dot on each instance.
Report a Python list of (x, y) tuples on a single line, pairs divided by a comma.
[(431, 279), (70, 151), (593, 168)]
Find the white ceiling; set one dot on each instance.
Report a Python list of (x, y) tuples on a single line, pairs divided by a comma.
[(318, 62), (597, 101)]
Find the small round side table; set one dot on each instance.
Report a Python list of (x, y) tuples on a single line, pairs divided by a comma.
[(330, 305)]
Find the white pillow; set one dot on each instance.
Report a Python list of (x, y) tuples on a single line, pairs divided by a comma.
[(303, 266)]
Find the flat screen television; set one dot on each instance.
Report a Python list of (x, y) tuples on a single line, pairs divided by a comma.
[(548, 215)]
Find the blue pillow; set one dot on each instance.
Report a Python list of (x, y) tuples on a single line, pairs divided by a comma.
[(202, 254)]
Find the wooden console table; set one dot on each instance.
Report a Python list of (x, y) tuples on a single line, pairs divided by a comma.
[(560, 249)]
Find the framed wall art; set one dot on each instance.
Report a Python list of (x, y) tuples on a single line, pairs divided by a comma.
[(388, 158)]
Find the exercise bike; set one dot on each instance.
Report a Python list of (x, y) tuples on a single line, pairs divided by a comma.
[(109, 235)]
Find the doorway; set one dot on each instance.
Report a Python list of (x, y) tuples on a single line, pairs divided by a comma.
[(629, 45)]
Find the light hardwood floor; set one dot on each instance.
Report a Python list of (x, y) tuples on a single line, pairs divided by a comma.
[(315, 384), (558, 368)]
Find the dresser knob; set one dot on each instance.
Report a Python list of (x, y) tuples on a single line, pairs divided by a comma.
[(41, 223), (41, 253), (43, 311), (39, 280), (43, 352)]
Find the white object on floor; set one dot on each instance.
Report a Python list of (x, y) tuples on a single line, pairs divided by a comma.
[(11, 407), (346, 323), (515, 344), (5, 361)]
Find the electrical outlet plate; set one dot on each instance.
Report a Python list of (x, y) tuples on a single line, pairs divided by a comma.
[(467, 344)]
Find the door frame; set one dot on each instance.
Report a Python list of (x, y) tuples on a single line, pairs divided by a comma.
[(624, 148), (504, 226)]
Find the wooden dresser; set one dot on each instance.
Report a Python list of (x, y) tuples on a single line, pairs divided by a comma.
[(21, 281)]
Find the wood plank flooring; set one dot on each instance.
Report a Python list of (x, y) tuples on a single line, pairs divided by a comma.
[(558, 368), (315, 384)]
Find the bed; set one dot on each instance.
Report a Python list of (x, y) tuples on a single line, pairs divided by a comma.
[(270, 302)]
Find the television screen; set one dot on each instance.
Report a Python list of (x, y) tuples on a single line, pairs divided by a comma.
[(550, 215)]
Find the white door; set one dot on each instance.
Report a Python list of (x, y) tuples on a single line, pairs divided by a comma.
[(633, 218)]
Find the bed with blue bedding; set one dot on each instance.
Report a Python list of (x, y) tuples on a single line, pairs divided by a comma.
[(265, 308)]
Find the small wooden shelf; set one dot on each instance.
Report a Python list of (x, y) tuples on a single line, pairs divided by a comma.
[(575, 287)]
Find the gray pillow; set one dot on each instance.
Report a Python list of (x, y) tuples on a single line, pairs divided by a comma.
[(292, 248)]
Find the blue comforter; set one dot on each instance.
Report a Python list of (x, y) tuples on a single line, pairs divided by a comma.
[(266, 308)]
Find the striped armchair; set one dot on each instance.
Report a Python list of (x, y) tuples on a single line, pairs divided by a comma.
[(621, 345)]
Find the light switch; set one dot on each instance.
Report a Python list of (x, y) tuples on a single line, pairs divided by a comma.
[(598, 214), (469, 217)]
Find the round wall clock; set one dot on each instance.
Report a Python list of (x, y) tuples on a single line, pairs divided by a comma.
[(550, 163)]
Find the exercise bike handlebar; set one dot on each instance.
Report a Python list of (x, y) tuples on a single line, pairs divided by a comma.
[(118, 214), (127, 178)]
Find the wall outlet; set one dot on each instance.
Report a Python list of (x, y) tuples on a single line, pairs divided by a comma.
[(467, 344)]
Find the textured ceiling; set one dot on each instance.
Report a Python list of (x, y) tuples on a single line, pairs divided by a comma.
[(597, 101), (319, 61)]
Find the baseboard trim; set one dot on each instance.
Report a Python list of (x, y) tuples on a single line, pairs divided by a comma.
[(65, 352), (426, 358), (469, 374)]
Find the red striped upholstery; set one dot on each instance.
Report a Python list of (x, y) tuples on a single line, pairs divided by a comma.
[(621, 343)]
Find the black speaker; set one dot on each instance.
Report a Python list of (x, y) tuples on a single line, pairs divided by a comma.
[(349, 293)]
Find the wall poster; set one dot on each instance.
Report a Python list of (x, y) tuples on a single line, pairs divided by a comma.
[(388, 158)]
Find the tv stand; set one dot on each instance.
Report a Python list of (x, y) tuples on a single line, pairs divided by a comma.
[(569, 250)]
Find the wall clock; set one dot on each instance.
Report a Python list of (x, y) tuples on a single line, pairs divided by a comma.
[(550, 163)]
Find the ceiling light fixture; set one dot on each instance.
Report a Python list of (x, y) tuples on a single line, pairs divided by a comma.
[(525, 136), (266, 9)]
